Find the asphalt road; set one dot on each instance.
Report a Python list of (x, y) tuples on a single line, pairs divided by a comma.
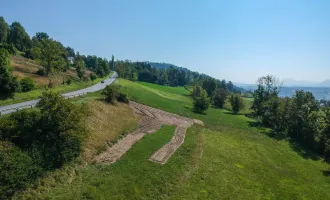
[(27, 104)]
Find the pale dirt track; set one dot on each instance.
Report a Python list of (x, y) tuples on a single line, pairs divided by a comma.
[(152, 119)]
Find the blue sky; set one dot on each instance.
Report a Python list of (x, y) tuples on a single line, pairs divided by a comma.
[(235, 40)]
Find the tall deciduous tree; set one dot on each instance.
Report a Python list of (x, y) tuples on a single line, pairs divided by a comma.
[(4, 30), (50, 54), (219, 97), (19, 37)]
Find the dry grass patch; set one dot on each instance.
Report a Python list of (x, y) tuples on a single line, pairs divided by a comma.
[(106, 122)]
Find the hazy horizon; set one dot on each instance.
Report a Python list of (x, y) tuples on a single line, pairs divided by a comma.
[(233, 40)]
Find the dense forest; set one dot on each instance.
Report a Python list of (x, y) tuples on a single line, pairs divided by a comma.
[(167, 74)]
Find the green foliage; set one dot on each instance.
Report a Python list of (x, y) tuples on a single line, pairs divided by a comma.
[(8, 83), (110, 93), (196, 92), (70, 52), (50, 54), (17, 170), (9, 47), (19, 37), (69, 81), (93, 76), (268, 87), (4, 30), (209, 85), (201, 102), (41, 72), (237, 103), (26, 84), (220, 97), (122, 97)]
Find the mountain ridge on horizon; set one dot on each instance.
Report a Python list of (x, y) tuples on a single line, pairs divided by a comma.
[(289, 82)]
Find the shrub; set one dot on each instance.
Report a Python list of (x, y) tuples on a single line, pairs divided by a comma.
[(110, 92), (237, 103), (9, 47), (122, 97), (69, 81), (41, 72), (219, 97), (93, 76), (17, 170), (27, 84), (202, 102)]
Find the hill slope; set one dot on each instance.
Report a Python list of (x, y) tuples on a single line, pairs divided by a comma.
[(231, 158)]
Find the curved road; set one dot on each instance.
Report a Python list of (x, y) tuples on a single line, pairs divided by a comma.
[(27, 104)]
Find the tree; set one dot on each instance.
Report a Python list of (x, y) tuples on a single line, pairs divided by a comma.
[(19, 37), (209, 85), (110, 93), (61, 130), (17, 170), (50, 54), (79, 65), (302, 125), (8, 83), (4, 30), (41, 36), (220, 97), (196, 92), (70, 52), (112, 63), (268, 87), (230, 86), (237, 103), (201, 103)]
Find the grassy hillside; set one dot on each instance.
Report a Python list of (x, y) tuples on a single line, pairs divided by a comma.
[(231, 158), (23, 67)]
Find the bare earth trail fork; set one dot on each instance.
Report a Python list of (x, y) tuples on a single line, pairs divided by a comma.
[(151, 121)]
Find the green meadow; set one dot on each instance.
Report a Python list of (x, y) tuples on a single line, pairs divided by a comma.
[(231, 157)]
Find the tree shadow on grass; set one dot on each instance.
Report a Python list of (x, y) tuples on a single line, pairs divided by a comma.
[(303, 151), (326, 172), (193, 111), (231, 113), (280, 135)]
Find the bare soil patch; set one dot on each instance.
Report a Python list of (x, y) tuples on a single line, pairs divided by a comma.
[(151, 121)]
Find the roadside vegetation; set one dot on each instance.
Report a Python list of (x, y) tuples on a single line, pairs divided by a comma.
[(31, 65)]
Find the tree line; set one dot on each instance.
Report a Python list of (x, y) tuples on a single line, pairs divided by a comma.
[(172, 76), (51, 54), (300, 118)]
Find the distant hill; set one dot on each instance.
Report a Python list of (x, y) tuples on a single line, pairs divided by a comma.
[(325, 83), (298, 83), (164, 65)]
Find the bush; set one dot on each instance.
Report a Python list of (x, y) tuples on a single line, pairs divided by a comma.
[(122, 97), (27, 84), (69, 81), (9, 47), (17, 170), (93, 76), (237, 103), (111, 92), (219, 97), (41, 72), (202, 102)]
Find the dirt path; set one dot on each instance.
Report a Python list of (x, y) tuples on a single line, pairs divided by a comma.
[(151, 121)]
